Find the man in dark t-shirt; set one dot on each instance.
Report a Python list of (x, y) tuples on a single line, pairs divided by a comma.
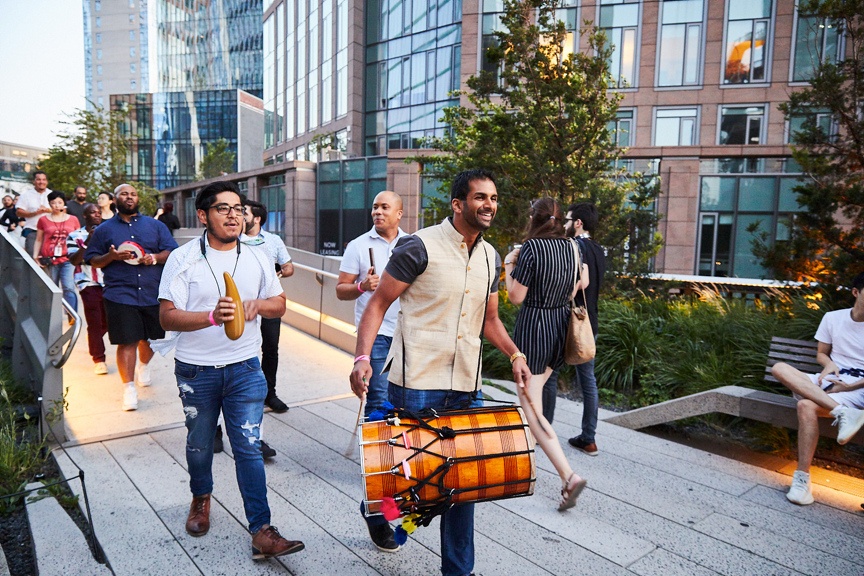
[(580, 223)]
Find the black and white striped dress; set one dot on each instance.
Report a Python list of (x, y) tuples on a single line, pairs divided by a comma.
[(545, 266)]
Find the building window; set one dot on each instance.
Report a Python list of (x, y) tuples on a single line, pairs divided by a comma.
[(132, 68), (747, 42), (98, 38), (132, 52), (621, 129), (676, 127), (99, 54), (99, 85), (741, 125), (132, 35), (131, 3), (679, 63), (131, 18), (99, 70), (98, 21), (98, 5), (819, 119), (817, 40), (620, 20), (133, 84), (101, 101), (734, 210)]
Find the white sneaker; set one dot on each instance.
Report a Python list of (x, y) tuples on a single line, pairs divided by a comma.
[(100, 368), (800, 493), (130, 398), (142, 375), (849, 421)]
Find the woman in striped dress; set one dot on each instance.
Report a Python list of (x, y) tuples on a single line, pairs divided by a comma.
[(540, 276)]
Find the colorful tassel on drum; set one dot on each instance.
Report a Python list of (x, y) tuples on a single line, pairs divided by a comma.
[(400, 536), (376, 415), (409, 523), (389, 509)]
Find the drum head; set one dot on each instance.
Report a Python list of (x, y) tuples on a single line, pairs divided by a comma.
[(133, 247)]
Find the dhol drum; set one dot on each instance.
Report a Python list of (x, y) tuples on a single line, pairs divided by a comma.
[(429, 462)]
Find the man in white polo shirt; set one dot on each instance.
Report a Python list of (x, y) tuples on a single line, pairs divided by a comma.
[(358, 279)]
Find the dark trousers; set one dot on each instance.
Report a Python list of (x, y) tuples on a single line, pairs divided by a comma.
[(270, 330), (97, 326)]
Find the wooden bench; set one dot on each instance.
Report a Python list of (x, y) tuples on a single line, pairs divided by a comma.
[(768, 407)]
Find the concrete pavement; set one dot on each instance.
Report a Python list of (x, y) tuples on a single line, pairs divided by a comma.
[(651, 507)]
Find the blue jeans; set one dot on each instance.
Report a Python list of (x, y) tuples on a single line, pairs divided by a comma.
[(590, 401), (63, 275), (457, 524), (377, 393), (238, 390)]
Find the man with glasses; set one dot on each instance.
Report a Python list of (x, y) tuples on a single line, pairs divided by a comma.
[(131, 249), (216, 374)]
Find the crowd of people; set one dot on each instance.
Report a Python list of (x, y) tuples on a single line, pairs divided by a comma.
[(423, 304)]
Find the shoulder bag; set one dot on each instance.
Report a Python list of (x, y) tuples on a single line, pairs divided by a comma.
[(579, 346)]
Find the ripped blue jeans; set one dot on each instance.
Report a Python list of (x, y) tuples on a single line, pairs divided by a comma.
[(238, 390)]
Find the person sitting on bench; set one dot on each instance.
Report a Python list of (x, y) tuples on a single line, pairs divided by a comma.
[(838, 390)]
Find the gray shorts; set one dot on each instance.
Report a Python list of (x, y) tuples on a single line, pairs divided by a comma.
[(853, 399)]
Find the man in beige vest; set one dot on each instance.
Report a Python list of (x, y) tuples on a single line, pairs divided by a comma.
[(446, 278)]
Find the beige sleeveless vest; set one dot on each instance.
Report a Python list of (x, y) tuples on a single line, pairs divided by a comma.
[(442, 315)]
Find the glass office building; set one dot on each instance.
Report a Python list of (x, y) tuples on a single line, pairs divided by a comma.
[(172, 130)]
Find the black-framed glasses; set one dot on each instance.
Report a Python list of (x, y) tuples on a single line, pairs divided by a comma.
[(224, 209)]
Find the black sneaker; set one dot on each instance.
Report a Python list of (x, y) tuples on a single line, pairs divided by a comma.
[(274, 403), (218, 445), (266, 451), (382, 537)]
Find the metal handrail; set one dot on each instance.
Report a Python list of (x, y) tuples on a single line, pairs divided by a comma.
[(316, 271), (75, 330)]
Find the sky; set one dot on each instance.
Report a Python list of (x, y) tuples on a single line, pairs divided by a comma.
[(41, 68)]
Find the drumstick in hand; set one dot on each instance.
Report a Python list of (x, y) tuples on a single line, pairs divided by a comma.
[(353, 442)]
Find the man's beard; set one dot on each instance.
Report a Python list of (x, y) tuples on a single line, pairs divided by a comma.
[(122, 209)]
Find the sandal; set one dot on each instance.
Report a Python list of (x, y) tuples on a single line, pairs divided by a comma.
[(570, 492)]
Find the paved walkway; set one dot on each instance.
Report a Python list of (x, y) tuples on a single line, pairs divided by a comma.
[(652, 507)]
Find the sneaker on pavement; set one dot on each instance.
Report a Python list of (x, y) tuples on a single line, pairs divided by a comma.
[(589, 448), (100, 368), (218, 445), (142, 375), (383, 538), (274, 403), (130, 398), (799, 493), (266, 451), (268, 543), (849, 421)]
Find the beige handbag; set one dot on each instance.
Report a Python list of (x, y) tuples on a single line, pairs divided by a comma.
[(579, 346)]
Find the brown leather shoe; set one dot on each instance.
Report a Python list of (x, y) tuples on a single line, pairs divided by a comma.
[(198, 522), (268, 543)]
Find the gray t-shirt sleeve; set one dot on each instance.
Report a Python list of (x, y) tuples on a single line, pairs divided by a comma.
[(409, 259)]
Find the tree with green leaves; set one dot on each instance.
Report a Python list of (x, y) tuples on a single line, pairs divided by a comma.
[(540, 122), (827, 239), (217, 160), (91, 152)]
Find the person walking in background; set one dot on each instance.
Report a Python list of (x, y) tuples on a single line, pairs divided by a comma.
[(358, 278), (31, 206), (50, 249), (89, 281), (105, 201), (168, 217), (8, 214), (215, 373), (580, 223), (131, 249), (75, 205), (445, 276), (837, 391), (542, 276)]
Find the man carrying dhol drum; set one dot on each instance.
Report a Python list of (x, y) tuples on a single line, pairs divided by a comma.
[(446, 278), (218, 370)]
